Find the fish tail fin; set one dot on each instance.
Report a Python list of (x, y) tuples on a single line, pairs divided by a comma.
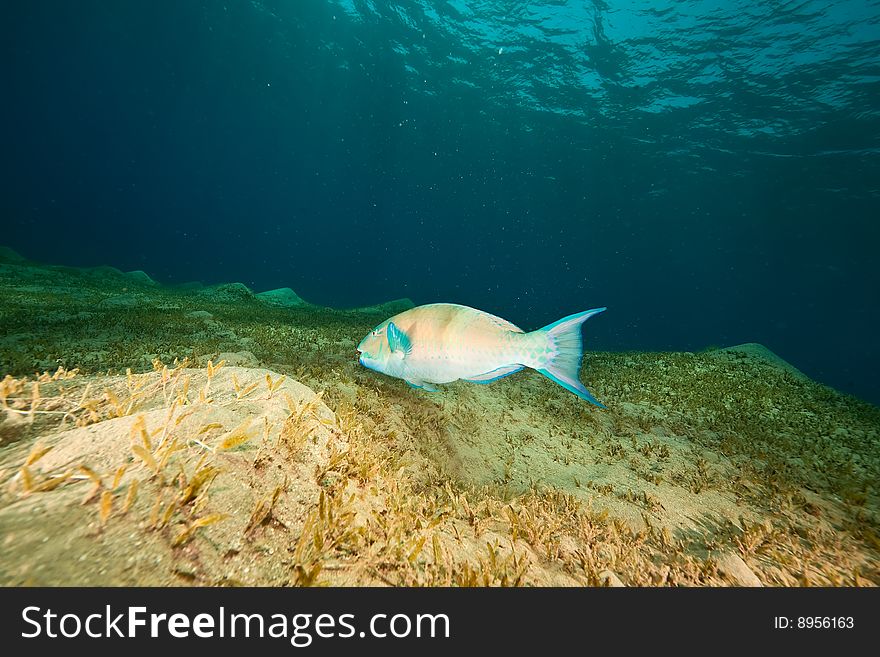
[(566, 350)]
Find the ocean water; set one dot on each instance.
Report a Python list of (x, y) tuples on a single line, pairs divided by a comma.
[(708, 170)]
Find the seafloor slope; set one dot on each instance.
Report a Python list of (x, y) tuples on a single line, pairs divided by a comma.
[(138, 459)]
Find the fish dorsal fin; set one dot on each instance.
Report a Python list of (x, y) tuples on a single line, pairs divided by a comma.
[(503, 323), (398, 341)]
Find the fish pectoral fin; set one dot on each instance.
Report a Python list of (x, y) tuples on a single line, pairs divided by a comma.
[(398, 341), (495, 374), (422, 385)]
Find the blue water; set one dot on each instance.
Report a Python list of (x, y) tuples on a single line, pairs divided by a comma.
[(708, 170)]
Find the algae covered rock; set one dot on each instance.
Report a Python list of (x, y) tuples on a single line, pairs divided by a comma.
[(99, 272), (9, 256), (229, 292), (283, 296), (141, 277), (759, 352)]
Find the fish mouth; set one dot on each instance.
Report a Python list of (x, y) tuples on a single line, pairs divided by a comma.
[(368, 363)]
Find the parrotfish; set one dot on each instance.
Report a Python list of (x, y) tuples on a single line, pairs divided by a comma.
[(445, 342)]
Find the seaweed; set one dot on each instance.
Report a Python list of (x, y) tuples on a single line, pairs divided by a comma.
[(511, 484)]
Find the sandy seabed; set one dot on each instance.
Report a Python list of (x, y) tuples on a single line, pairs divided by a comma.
[(207, 435)]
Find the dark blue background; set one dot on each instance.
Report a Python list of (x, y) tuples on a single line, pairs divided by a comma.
[(291, 147)]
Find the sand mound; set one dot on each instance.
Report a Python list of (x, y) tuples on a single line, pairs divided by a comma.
[(760, 353), (157, 459), (283, 296), (10, 256)]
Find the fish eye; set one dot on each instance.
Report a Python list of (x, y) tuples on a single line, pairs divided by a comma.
[(375, 333)]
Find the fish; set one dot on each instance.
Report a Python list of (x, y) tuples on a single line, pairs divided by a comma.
[(445, 342)]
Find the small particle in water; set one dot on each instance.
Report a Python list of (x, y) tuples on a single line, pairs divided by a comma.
[(500, 51)]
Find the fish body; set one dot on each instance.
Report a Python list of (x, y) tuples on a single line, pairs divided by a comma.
[(444, 342)]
